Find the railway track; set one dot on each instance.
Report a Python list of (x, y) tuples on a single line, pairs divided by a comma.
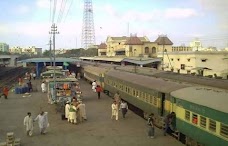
[(10, 76)]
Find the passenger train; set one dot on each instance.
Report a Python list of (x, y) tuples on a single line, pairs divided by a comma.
[(201, 111)]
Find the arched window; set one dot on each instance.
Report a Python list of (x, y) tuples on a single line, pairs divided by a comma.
[(146, 50), (153, 50)]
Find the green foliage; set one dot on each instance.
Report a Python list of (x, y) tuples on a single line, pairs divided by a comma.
[(80, 52), (4, 53), (46, 53), (23, 57), (74, 53)]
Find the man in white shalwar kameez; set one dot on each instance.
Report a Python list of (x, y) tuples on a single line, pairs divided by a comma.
[(43, 87), (82, 111), (28, 122), (67, 108), (115, 110), (94, 85), (42, 119)]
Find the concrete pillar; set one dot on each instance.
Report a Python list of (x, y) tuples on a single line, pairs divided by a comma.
[(37, 69), (24, 64)]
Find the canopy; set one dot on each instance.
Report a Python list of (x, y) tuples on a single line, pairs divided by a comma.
[(50, 73), (201, 68), (65, 64)]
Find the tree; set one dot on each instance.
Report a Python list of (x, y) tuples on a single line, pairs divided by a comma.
[(4, 53), (46, 53)]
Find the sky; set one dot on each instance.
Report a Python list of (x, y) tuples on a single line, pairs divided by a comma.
[(28, 22)]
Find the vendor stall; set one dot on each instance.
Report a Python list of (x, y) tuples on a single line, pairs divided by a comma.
[(50, 74), (63, 88)]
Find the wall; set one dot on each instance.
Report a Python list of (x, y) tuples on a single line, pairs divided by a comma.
[(213, 60)]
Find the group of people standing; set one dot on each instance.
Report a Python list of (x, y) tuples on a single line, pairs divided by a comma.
[(168, 121), (75, 111), (118, 105), (42, 119), (97, 88)]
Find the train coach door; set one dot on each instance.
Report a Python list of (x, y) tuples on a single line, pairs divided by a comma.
[(162, 103)]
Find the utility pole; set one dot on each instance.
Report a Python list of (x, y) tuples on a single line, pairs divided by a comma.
[(53, 32), (163, 49), (50, 55)]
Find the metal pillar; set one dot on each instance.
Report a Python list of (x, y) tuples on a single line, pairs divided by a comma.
[(53, 32), (88, 32)]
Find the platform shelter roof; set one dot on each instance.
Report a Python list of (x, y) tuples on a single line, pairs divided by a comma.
[(113, 59), (142, 61), (8, 56), (58, 59), (135, 60)]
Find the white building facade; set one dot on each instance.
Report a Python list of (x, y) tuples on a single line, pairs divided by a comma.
[(211, 63)]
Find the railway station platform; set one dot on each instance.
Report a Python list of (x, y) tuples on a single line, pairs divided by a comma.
[(98, 130)]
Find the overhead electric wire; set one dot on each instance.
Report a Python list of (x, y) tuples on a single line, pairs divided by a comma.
[(68, 11), (50, 12), (54, 9), (62, 10)]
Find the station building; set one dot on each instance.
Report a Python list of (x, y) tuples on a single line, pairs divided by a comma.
[(134, 46), (192, 59)]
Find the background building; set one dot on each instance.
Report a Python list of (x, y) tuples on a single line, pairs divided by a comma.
[(16, 50), (203, 63), (181, 48), (29, 50), (102, 49), (134, 46), (4, 47)]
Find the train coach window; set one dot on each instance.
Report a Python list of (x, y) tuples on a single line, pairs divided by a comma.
[(128, 90), (137, 93), (224, 130), (134, 93), (155, 101), (187, 115), (151, 99), (194, 119), (141, 95), (212, 125), (144, 96), (203, 121), (147, 98)]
